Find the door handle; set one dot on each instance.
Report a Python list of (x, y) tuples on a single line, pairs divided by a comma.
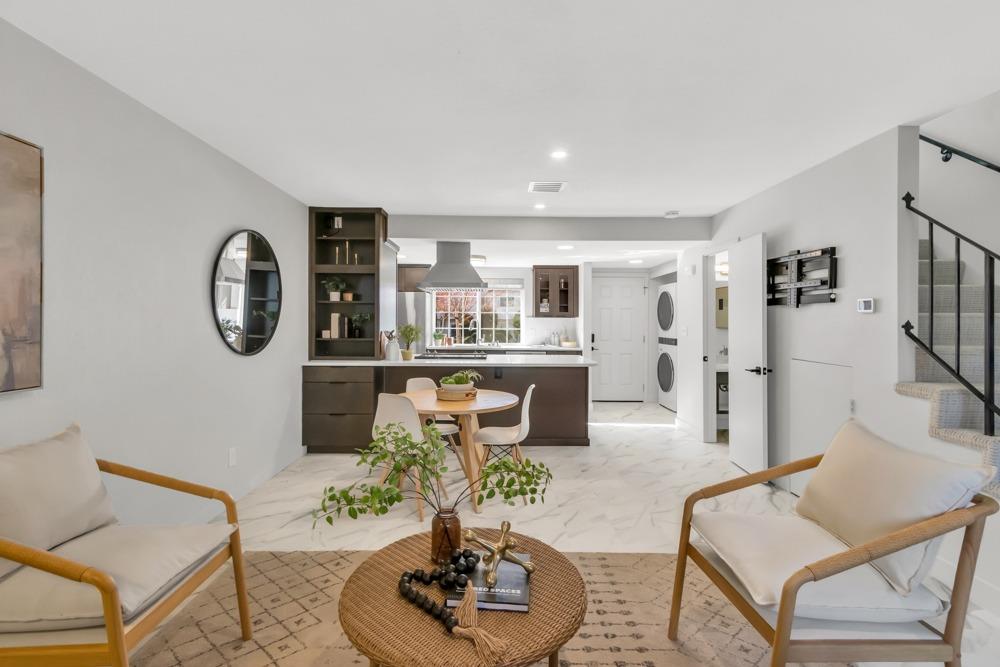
[(756, 370)]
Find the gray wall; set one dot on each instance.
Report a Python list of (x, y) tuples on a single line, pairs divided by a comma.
[(135, 210)]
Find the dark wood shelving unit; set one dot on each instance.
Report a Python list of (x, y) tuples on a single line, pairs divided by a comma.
[(352, 252)]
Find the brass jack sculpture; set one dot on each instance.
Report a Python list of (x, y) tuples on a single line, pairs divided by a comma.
[(495, 553)]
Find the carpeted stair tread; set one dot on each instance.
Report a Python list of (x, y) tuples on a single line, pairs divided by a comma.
[(956, 416), (973, 328), (973, 298), (946, 271)]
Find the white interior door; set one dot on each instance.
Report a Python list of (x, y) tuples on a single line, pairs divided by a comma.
[(748, 354), (619, 342)]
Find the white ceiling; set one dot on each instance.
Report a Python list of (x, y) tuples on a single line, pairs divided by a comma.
[(452, 106), (606, 254)]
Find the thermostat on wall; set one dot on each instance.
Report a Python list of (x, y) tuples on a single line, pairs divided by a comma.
[(866, 305)]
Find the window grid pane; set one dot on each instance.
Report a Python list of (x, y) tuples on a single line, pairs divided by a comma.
[(493, 315)]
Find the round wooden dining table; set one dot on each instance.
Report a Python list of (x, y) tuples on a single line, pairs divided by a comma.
[(428, 404)]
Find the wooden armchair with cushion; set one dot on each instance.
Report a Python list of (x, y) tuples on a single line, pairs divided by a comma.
[(842, 579), (77, 588)]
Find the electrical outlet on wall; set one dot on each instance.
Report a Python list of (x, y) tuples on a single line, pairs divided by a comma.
[(232, 457)]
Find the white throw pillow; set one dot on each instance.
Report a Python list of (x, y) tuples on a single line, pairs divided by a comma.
[(50, 492), (866, 488)]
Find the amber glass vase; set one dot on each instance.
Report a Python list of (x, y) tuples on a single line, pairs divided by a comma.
[(446, 536)]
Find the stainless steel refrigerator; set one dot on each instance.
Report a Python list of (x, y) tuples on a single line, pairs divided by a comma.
[(411, 308)]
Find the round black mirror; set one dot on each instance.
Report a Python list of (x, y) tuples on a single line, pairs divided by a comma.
[(246, 292)]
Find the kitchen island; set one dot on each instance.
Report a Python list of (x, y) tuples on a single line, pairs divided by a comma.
[(339, 397)]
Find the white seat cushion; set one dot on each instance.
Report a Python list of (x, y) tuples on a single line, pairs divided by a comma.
[(498, 435), (50, 492), (763, 551), (866, 488), (144, 561), (446, 428)]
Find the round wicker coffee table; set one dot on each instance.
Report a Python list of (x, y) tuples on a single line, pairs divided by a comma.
[(391, 632)]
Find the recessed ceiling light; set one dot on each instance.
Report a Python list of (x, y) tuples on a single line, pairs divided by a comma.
[(564, 247), (558, 154), (400, 256), (672, 214), (539, 206), (477, 259), (635, 261)]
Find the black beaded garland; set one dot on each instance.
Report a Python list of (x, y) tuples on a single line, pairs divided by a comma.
[(447, 578)]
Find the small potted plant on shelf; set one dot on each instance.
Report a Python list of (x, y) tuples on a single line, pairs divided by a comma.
[(334, 285), (409, 334), (438, 337), (462, 380), (406, 459), (358, 322)]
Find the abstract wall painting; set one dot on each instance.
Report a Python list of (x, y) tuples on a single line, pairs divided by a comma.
[(20, 264)]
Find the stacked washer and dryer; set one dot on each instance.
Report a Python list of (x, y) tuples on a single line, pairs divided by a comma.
[(666, 359)]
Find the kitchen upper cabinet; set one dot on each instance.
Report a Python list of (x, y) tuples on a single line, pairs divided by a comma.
[(556, 291)]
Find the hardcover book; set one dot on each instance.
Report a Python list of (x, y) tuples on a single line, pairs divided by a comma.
[(510, 593)]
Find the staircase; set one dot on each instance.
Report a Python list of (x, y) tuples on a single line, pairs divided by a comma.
[(957, 414)]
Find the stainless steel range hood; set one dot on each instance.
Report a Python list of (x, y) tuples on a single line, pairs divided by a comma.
[(453, 271)]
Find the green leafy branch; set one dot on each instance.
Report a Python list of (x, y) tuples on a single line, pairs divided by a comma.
[(422, 463)]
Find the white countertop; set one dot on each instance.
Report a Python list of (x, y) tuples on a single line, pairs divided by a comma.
[(528, 360)]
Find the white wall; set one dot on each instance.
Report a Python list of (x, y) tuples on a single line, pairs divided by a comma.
[(959, 193), (852, 201), (548, 228), (135, 211)]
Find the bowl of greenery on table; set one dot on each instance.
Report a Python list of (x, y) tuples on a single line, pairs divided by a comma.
[(402, 458), (461, 381)]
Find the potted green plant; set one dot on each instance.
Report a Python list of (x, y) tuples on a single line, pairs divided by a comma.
[(438, 337), (358, 322), (394, 449), (409, 334), (462, 380), (334, 285)]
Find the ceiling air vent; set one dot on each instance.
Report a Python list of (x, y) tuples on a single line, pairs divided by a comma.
[(546, 186)]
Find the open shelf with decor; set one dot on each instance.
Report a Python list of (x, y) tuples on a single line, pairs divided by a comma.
[(345, 246)]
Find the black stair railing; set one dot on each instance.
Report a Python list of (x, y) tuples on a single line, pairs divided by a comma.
[(987, 394), (948, 152)]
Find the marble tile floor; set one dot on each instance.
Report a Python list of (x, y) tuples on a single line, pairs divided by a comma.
[(624, 493)]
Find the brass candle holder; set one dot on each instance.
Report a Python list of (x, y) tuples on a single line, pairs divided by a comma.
[(496, 552)]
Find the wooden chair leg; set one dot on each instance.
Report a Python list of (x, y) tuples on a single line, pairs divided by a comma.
[(518, 454), (441, 489), (961, 589), (239, 575), (682, 551), (113, 622)]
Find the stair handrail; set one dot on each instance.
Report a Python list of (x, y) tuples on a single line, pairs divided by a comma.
[(988, 394), (948, 151)]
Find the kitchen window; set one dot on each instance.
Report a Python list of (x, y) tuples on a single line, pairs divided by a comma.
[(492, 315)]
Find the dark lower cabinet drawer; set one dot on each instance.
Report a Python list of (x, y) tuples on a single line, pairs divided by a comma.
[(336, 433), (325, 398), (337, 374)]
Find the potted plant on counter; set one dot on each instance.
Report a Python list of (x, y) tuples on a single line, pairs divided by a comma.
[(409, 334), (334, 285), (462, 380), (394, 449)]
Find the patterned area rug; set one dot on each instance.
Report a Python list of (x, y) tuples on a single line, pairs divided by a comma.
[(293, 600)]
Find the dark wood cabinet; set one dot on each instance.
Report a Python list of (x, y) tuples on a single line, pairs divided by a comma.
[(556, 291), (408, 276), (338, 407), (345, 246)]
